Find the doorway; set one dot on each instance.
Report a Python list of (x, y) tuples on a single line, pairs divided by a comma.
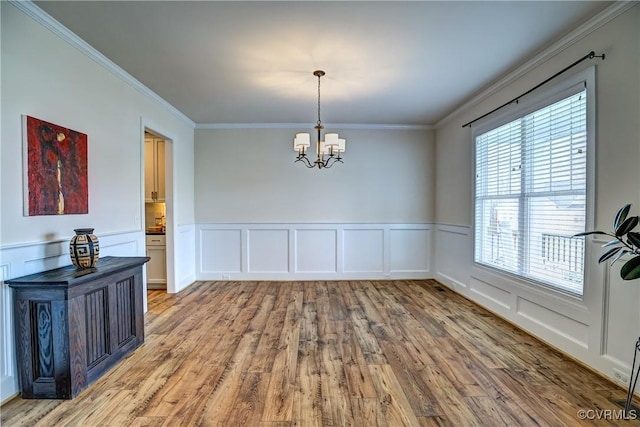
[(158, 209)]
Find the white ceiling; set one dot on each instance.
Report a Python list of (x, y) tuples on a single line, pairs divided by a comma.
[(400, 63)]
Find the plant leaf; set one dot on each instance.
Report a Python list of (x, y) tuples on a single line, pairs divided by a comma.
[(620, 254), (628, 225), (631, 269), (634, 238), (611, 243), (608, 254), (588, 233), (621, 216)]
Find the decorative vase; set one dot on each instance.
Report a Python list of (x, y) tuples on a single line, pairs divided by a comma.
[(84, 248)]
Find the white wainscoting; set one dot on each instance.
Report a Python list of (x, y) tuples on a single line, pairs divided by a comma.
[(312, 251), (23, 259), (185, 255), (9, 385), (598, 329)]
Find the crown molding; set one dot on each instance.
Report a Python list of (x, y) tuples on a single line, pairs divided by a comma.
[(40, 16), (359, 126), (607, 15)]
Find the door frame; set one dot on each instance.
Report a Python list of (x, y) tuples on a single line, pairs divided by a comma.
[(170, 230)]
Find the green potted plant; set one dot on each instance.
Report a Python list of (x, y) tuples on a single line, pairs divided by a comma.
[(624, 242)]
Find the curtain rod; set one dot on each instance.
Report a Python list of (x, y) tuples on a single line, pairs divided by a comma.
[(590, 55)]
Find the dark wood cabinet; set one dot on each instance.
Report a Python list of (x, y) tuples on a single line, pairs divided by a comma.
[(72, 325)]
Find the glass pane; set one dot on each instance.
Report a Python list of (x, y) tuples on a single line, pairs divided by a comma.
[(498, 161), (554, 256), (497, 233), (556, 143)]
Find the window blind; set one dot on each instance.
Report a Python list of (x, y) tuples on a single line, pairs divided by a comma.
[(530, 194)]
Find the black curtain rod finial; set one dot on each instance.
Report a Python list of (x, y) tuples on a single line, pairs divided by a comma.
[(592, 55)]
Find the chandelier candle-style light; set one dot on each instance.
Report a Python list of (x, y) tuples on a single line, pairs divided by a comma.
[(328, 150)]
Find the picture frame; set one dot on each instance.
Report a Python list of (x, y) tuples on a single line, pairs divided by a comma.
[(55, 169)]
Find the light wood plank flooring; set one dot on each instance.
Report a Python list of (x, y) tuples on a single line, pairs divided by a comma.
[(360, 353)]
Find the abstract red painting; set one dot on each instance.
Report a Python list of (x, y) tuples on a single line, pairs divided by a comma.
[(55, 169)]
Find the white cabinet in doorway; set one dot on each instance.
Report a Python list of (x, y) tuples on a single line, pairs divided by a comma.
[(157, 265), (154, 174)]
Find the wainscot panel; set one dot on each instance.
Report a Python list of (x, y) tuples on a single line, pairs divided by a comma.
[(623, 317), (28, 258), (493, 296), (453, 255), (219, 250), (314, 251), (554, 322), (363, 251), (410, 250), (185, 254), (268, 251), (8, 371)]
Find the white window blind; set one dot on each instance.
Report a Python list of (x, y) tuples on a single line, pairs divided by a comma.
[(530, 194)]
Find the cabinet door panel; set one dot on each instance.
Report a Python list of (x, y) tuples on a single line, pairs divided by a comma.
[(125, 312), (97, 306), (149, 172), (156, 267), (160, 165)]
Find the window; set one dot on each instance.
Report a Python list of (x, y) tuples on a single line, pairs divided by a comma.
[(531, 192)]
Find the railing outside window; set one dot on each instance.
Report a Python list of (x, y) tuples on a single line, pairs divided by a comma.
[(559, 249)]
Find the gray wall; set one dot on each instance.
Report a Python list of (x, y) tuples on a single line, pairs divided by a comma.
[(249, 175)]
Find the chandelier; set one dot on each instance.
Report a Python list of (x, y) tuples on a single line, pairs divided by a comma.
[(328, 150)]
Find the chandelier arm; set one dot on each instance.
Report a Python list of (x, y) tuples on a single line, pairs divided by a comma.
[(335, 160), (305, 161)]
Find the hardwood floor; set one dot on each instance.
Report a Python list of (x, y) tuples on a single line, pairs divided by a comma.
[(361, 353)]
